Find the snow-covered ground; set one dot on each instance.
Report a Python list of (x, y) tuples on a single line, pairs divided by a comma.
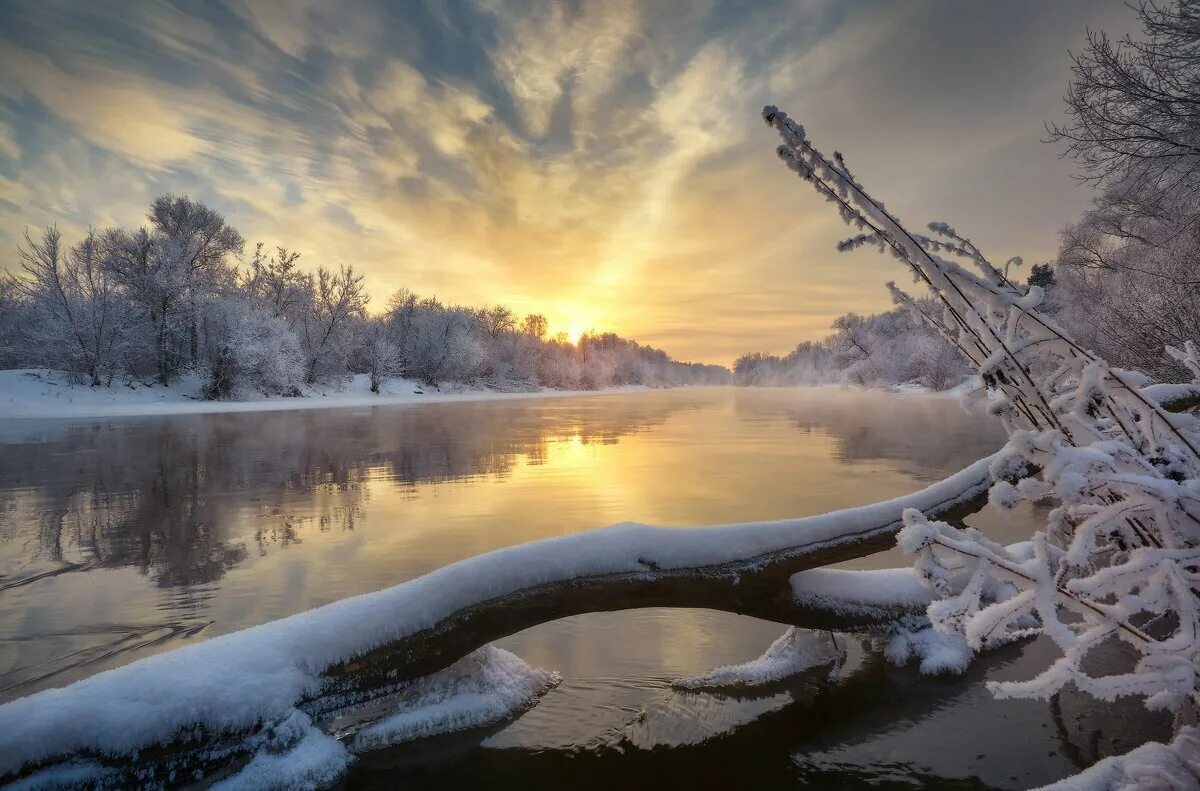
[(39, 393)]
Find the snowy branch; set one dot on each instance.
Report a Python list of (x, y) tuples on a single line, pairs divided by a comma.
[(1119, 559)]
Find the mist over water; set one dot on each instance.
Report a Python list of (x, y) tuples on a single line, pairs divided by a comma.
[(123, 537)]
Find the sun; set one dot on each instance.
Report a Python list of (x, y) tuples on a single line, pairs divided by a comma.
[(576, 330), (574, 322)]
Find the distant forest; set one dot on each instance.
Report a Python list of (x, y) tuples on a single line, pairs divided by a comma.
[(180, 296)]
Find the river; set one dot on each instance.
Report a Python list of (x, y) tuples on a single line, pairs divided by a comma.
[(124, 537)]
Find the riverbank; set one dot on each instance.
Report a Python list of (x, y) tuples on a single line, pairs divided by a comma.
[(40, 393)]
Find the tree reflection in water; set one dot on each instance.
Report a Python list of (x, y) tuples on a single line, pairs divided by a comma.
[(122, 537)]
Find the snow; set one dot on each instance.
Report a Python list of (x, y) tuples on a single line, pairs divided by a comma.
[(67, 775), (938, 652), (483, 688), (796, 651), (234, 681), (40, 393), (1153, 765), (857, 592), (1166, 392), (313, 760)]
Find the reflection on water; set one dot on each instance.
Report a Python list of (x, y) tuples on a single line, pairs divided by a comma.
[(123, 537)]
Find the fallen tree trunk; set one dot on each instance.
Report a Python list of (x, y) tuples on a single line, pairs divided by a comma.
[(758, 586), (177, 704)]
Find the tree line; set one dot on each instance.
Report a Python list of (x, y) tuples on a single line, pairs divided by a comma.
[(180, 296), (877, 350)]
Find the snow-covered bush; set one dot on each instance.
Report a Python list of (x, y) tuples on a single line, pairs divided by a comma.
[(884, 349), (378, 354), (248, 350), (1119, 557)]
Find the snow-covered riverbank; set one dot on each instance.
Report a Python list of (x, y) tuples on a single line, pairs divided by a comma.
[(35, 393)]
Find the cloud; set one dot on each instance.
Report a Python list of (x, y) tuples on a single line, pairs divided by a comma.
[(599, 162)]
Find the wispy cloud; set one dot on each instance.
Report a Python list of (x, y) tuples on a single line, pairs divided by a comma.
[(602, 162)]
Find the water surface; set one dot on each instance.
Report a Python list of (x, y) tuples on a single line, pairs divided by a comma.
[(122, 537)]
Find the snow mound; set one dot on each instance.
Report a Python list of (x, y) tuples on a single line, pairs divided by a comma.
[(69, 775), (1167, 392), (796, 651), (486, 687)]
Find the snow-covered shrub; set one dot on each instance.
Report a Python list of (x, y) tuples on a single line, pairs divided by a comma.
[(439, 345), (378, 354), (884, 349), (559, 367), (247, 350), (1119, 557)]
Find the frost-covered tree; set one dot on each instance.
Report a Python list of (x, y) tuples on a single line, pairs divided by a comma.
[(12, 318), (441, 344), (559, 366), (152, 272), (276, 285), (75, 319), (1117, 560), (1127, 296), (1133, 108), (497, 319), (535, 324), (327, 328), (378, 354), (202, 242), (880, 350), (246, 349)]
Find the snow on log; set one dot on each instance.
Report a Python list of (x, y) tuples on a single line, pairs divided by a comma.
[(318, 662), (796, 651), (879, 593)]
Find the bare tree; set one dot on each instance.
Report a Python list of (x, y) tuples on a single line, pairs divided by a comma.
[(535, 324), (275, 284), (1133, 109), (497, 319), (338, 299), (76, 316)]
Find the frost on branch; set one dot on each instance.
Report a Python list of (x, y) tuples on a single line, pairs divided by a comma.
[(1119, 556)]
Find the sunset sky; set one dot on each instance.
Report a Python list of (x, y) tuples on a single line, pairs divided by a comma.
[(600, 162)]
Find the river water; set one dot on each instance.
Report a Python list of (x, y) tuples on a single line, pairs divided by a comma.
[(123, 537)]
